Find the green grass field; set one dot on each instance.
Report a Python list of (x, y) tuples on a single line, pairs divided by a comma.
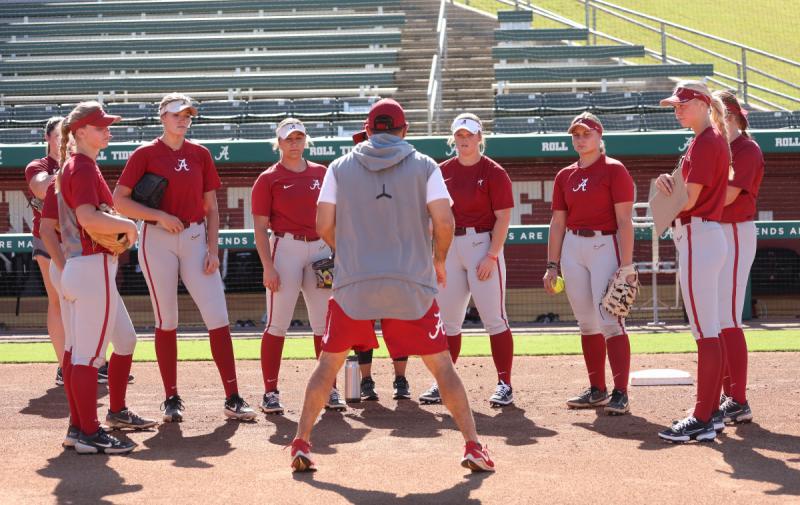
[(524, 345), (769, 25)]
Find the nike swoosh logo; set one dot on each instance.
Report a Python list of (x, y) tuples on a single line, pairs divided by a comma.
[(195, 236), (287, 187), (476, 244), (231, 380), (106, 445), (598, 246), (450, 179)]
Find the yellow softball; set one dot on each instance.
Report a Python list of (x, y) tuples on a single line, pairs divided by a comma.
[(559, 285)]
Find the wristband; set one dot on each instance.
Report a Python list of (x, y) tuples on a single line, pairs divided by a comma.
[(552, 265)]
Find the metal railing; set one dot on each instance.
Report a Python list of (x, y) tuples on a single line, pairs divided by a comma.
[(438, 61)]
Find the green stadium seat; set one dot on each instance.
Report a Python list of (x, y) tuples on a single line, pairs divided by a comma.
[(519, 102), (154, 83), (560, 103), (257, 131), (796, 117), (563, 52), (304, 108), (150, 132), (516, 16), (22, 135), (621, 122), (6, 113), (138, 8), (347, 128), (213, 131), (166, 43), (649, 100), (34, 113), (357, 106), (518, 125), (541, 34), (318, 128), (661, 121), (610, 102), (221, 110), (94, 26), (125, 133), (596, 72), (268, 109), (557, 124), (133, 112), (766, 120)]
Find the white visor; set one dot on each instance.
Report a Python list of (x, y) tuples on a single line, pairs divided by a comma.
[(178, 106), (466, 123), (286, 130)]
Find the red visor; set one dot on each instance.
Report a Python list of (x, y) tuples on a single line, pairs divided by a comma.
[(96, 118), (586, 123), (733, 107), (683, 95)]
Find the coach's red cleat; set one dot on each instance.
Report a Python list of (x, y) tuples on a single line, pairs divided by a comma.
[(476, 458), (301, 456)]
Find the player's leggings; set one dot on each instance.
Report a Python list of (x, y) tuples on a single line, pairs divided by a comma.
[(587, 264), (164, 256), (466, 252)]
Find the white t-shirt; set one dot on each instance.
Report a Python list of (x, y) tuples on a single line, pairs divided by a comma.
[(436, 188)]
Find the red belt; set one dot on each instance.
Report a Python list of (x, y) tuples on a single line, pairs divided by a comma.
[(301, 238), (185, 224), (460, 231), (589, 233)]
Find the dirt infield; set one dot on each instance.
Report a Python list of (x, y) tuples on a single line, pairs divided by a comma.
[(401, 452)]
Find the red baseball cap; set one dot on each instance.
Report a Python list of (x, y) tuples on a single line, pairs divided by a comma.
[(586, 123), (683, 95), (96, 118), (386, 114)]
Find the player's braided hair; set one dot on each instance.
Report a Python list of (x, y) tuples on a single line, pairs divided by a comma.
[(81, 110), (729, 98)]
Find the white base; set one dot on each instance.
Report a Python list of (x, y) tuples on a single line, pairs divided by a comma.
[(661, 377)]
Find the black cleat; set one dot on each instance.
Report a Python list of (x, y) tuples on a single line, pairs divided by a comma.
[(590, 398), (126, 418), (237, 408), (503, 395), (101, 442), (688, 429), (618, 404), (401, 388), (431, 396), (173, 408), (368, 390), (735, 412)]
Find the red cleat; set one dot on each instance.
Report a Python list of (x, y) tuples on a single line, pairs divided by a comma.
[(476, 458), (301, 456)]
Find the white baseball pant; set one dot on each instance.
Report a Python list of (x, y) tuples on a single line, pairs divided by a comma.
[(461, 266), (99, 315), (163, 256), (741, 241), (587, 264), (701, 255), (292, 259), (66, 307)]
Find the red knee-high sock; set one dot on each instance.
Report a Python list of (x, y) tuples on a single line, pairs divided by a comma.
[(84, 390), (726, 375), (119, 367), (222, 352), (736, 354), (619, 357), (454, 344), (503, 354), (271, 354), (594, 354), (317, 345), (66, 374), (709, 378), (722, 369), (167, 357)]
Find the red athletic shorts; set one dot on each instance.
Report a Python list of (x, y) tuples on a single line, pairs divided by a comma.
[(403, 337)]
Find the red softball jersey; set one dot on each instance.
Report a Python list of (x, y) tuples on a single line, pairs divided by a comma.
[(83, 184), (190, 171), (589, 194), (748, 171), (477, 191), (47, 165), (289, 199), (707, 162), (50, 206)]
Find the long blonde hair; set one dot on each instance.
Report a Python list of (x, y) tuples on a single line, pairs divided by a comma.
[(451, 140)]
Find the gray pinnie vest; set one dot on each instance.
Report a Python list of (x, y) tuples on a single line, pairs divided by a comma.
[(70, 234), (384, 266)]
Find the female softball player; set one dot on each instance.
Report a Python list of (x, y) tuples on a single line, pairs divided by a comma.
[(39, 174), (181, 239), (591, 236), (740, 235), (701, 245), (97, 313), (284, 200), (483, 199)]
